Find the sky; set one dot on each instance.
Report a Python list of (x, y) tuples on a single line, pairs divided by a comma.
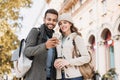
[(30, 16)]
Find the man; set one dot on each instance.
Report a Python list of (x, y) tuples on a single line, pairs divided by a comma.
[(40, 47)]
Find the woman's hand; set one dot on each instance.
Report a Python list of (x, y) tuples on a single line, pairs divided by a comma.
[(60, 63)]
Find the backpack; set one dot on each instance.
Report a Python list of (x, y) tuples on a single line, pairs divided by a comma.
[(87, 69), (21, 63)]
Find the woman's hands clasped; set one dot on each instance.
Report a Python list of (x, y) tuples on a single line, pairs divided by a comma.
[(60, 63)]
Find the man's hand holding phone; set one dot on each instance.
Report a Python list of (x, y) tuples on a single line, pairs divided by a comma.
[(52, 42)]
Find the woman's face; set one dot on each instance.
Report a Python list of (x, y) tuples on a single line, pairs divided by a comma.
[(65, 26)]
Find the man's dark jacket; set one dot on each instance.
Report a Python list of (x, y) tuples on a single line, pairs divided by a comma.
[(36, 50)]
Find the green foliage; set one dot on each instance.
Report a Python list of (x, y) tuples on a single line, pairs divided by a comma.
[(9, 15), (109, 74)]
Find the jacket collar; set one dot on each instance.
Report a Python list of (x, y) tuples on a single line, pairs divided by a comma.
[(43, 32)]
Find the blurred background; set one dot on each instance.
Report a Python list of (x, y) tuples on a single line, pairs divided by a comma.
[(97, 20)]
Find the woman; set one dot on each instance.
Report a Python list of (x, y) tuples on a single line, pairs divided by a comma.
[(66, 65)]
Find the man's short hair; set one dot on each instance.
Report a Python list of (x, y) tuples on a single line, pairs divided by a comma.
[(53, 11)]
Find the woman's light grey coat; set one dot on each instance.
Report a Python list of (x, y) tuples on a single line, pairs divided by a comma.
[(66, 51)]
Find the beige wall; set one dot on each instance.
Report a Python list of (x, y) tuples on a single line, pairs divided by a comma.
[(94, 18)]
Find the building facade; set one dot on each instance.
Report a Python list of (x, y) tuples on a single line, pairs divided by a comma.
[(99, 23)]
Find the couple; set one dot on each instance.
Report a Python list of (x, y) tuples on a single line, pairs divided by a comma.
[(52, 58)]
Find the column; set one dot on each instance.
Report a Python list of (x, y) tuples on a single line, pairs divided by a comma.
[(101, 55), (116, 39)]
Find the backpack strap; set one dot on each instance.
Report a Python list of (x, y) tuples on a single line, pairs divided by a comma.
[(90, 53), (75, 52), (21, 46), (39, 31)]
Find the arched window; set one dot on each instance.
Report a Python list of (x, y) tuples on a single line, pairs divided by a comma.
[(109, 51)]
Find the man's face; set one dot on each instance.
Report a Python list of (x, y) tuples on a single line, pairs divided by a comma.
[(50, 20)]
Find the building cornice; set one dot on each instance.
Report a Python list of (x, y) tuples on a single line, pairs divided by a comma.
[(67, 5)]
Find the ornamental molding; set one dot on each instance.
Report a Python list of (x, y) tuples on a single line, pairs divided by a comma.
[(116, 37), (67, 5)]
